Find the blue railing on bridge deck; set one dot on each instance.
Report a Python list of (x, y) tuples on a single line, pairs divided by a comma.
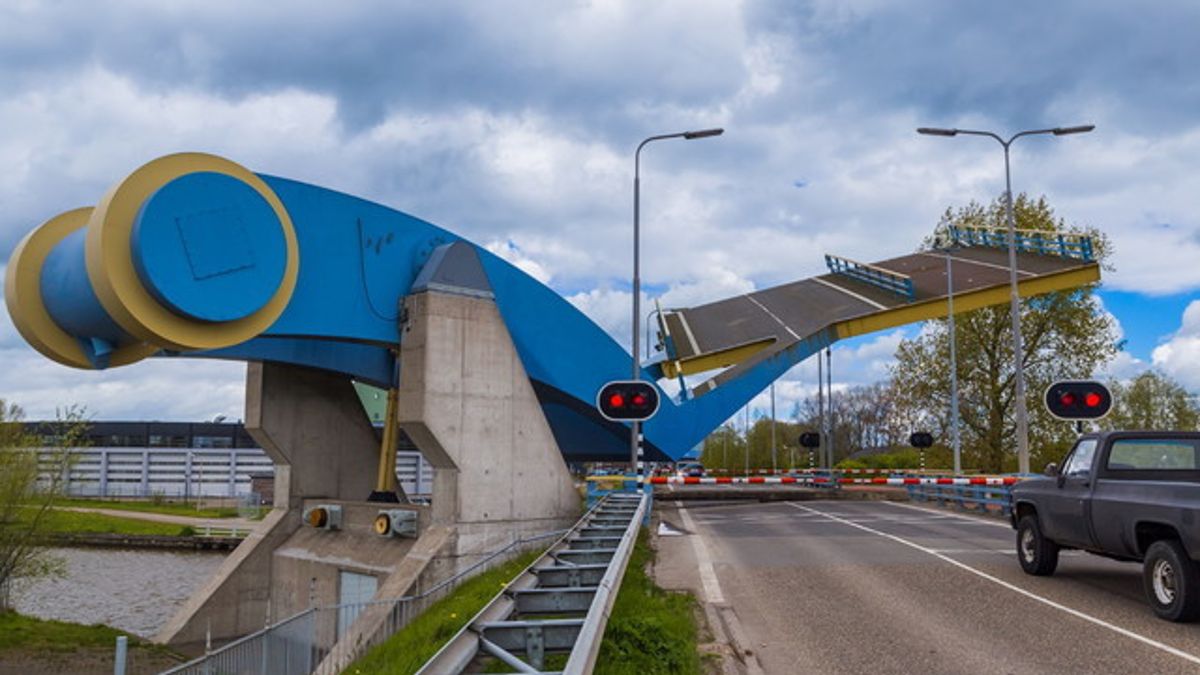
[(990, 499), (876, 276), (1061, 244)]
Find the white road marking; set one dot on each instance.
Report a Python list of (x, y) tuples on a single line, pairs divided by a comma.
[(1014, 588), (949, 551), (978, 520), (772, 315), (968, 261), (687, 330), (708, 576), (852, 294)]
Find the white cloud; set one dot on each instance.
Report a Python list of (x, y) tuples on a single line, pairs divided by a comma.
[(1179, 356), (515, 125)]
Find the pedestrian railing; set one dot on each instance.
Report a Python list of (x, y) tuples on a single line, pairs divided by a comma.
[(1042, 242), (888, 280)]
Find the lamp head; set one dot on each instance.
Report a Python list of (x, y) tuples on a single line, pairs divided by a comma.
[(703, 133), (934, 131), (1082, 129)]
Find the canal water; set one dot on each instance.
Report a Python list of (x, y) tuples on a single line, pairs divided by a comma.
[(134, 590)]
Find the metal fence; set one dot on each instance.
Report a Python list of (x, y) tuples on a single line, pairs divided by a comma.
[(298, 644), (187, 473), (989, 499)]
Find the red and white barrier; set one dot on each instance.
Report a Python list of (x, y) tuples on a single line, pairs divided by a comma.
[(825, 480), (771, 472)]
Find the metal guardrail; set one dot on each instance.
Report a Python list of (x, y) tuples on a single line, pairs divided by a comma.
[(575, 581), (990, 499), (1061, 244), (875, 276), (297, 645)]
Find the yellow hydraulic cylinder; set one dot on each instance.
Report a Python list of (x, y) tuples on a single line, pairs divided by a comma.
[(386, 480)]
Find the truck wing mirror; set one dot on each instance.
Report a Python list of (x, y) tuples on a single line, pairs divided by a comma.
[(1051, 469)]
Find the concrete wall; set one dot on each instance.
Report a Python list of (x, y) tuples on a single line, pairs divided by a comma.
[(313, 426), (467, 403)]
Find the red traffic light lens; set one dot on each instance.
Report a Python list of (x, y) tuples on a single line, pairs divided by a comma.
[(639, 400), (1067, 399), (616, 401), (1091, 399)]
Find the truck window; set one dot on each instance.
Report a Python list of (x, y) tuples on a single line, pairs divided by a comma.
[(1152, 454), (1080, 461)]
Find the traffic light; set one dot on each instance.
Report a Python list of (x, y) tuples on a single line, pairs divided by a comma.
[(810, 439), (1078, 400), (627, 401), (921, 439)]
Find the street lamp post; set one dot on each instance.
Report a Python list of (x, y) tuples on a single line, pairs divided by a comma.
[(1014, 295), (636, 428)]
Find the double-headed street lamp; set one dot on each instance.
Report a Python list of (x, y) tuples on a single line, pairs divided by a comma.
[(634, 443), (1014, 297)]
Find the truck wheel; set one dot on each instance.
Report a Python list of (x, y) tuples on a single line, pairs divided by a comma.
[(1171, 581), (1037, 554)]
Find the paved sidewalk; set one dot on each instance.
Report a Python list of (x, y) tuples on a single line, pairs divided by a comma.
[(194, 521)]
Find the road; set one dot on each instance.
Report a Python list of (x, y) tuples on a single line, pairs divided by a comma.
[(883, 587)]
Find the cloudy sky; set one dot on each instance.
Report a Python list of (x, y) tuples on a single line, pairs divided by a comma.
[(514, 124)]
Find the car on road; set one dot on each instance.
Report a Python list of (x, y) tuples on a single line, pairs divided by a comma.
[(689, 469), (1126, 495)]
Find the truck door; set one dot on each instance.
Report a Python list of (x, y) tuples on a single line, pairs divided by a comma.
[(1067, 512)]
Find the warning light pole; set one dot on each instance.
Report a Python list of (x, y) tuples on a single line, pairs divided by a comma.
[(635, 442)]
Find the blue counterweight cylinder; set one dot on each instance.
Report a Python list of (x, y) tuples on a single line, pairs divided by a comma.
[(72, 304)]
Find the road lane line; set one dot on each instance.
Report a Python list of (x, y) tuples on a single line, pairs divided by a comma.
[(980, 263), (973, 519), (708, 576), (849, 292), (1012, 587), (772, 315)]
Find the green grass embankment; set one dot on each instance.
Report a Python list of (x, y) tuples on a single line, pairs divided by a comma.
[(409, 649), (39, 647), (18, 631), (650, 630), (169, 508), (56, 522)]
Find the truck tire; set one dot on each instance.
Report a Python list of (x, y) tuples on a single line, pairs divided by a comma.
[(1038, 555), (1171, 581)]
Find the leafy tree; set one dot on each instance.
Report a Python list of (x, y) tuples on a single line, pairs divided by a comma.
[(1066, 336), (31, 478), (1151, 401)]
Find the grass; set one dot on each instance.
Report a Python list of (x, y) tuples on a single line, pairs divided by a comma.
[(169, 508), (78, 522), (650, 630), (19, 632), (409, 649)]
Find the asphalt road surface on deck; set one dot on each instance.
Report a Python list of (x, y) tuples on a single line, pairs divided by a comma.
[(878, 587)]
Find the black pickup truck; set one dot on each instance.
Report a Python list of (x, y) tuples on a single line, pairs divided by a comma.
[(1127, 495)]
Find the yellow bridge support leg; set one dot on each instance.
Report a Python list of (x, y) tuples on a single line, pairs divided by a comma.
[(385, 480)]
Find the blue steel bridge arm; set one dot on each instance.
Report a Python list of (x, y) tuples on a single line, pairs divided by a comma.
[(192, 255)]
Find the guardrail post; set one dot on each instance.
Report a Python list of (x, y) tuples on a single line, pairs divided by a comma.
[(122, 653)]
